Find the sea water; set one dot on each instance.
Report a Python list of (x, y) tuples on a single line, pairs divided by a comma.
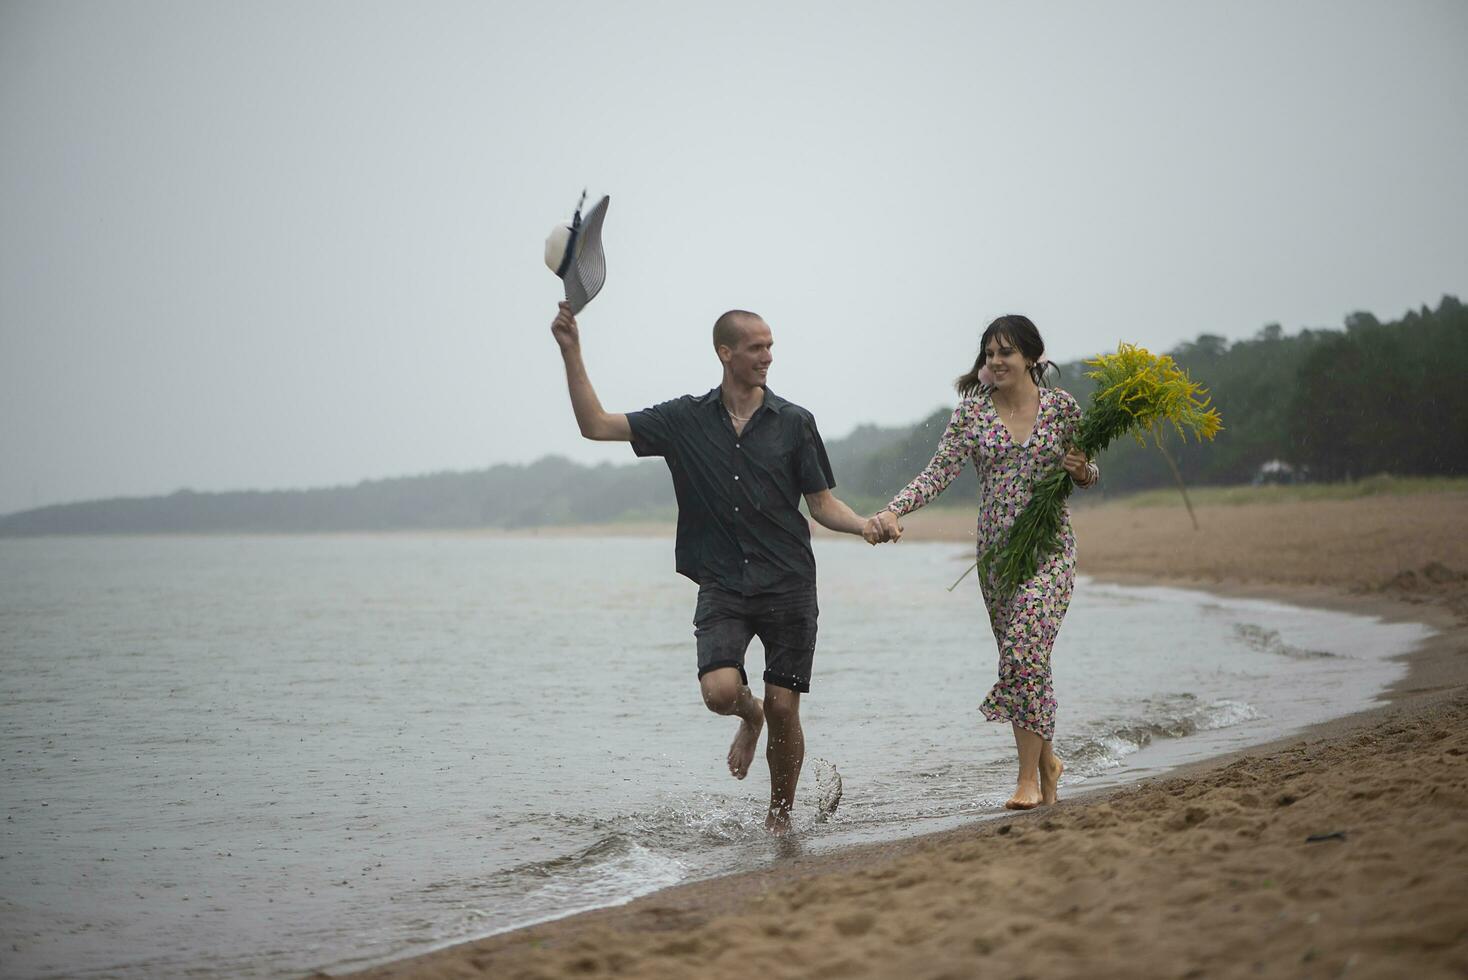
[(259, 756)]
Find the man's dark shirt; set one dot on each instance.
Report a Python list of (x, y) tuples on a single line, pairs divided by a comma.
[(739, 520)]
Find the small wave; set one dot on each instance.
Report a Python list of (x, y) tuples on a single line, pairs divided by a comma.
[(1176, 717), (610, 871), (702, 820), (685, 827), (712, 820), (607, 864), (636, 852), (606, 850), (1269, 641), (620, 873)]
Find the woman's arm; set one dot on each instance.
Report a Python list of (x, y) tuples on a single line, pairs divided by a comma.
[(1083, 472), (947, 462)]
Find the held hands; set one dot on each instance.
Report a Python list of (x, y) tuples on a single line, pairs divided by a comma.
[(564, 329), (881, 528)]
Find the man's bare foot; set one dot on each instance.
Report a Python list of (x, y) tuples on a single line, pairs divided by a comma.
[(1050, 779), (746, 740), (777, 822)]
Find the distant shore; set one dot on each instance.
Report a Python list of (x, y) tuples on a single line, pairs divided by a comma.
[(1340, 852)]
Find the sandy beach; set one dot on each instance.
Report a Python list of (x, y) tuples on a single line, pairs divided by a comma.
[(1342, 852)]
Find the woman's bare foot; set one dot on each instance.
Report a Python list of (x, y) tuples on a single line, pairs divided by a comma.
[(1050, 770), (1026, 796), (777, 822), (746, 740), (1030, 746)]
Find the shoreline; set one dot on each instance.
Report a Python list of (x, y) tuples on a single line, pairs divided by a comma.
[(862, 890)]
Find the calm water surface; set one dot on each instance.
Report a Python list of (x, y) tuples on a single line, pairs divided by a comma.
[(261, 756)]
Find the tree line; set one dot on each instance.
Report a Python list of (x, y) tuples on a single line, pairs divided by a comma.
[(1332, 404)]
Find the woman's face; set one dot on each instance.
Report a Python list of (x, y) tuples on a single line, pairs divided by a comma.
[(1006, 363)]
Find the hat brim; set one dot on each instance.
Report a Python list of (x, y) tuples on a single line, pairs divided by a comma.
[(587, 271)]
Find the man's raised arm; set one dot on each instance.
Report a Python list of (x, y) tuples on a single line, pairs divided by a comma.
[(595, 422)]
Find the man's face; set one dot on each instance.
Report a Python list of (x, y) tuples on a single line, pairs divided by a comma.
[(749, 360)]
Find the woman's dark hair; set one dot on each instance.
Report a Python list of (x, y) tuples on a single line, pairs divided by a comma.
[(1019, 331)]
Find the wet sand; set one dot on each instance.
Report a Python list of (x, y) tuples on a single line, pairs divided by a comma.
[(1339, 853)]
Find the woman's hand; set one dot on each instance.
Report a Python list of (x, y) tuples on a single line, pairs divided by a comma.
[(1078, 467)]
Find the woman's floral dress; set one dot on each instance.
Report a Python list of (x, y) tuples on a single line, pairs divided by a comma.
[(1026, 624)]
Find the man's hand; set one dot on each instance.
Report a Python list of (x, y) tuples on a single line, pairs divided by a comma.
[(881, 528), (872, 532), (564, 329)]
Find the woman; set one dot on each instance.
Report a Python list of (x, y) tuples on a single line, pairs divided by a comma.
[(1015, 430)]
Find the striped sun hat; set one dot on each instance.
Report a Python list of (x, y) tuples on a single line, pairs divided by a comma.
[(573, 252)]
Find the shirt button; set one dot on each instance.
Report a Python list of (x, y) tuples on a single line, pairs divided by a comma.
[(736, 445), (746, 561), (736, 510), (736, 476)]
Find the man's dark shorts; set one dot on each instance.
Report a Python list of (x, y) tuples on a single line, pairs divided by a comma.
[(724, 623)]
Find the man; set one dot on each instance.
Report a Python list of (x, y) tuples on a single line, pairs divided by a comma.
[(741, 458)]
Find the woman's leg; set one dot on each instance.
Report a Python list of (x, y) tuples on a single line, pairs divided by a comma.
[(1050, 769), (1025, 628), (1027, 791)]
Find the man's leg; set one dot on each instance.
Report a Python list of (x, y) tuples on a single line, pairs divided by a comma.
[(785, 753), (723, 637), (725, 693), (786, 623)]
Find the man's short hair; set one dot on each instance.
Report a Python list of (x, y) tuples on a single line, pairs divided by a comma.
[(727, 327)]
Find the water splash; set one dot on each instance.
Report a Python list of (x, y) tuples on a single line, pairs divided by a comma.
[(828, 789)]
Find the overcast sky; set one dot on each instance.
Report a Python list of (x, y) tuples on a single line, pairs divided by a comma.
[(274, 245)]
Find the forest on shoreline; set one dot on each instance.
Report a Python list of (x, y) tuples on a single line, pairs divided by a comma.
[(1319, 405)]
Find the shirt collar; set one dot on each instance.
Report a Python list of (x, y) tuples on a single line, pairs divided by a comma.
[(772, 401)]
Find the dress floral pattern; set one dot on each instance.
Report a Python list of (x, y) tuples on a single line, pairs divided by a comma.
[(1026, 624)]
